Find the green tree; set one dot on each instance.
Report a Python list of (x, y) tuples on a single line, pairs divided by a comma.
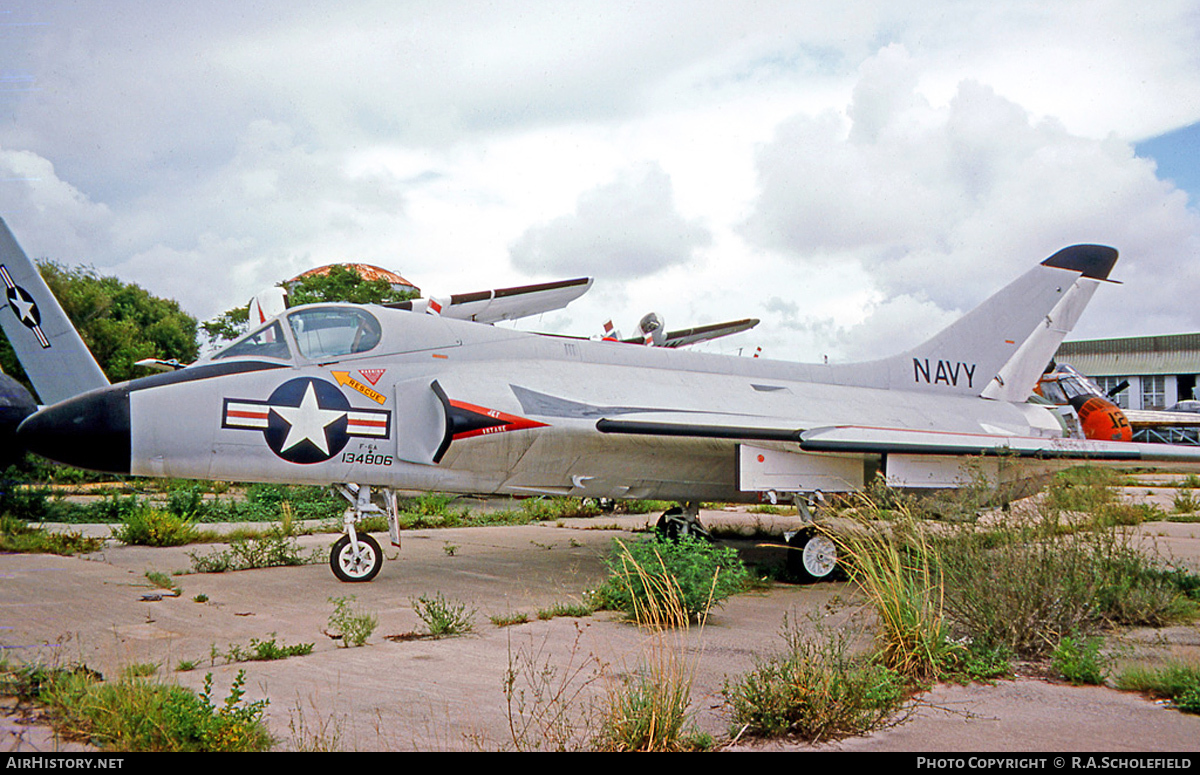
[(121, 323), (340, 284)]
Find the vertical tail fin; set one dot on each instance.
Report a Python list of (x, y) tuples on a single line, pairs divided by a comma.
[(999, 349), (54, 356), (1006, 341)]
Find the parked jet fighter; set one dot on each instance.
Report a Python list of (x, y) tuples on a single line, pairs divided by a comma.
[(384, 398)]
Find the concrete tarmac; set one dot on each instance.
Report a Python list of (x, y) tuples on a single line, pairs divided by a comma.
[(401, 692)]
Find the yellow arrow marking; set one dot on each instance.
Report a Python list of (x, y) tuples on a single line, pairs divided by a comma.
[(344, 378)]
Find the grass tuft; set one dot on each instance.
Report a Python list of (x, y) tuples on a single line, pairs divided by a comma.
[(896, 568), (650, 710), (1178, 682), (17, 536)]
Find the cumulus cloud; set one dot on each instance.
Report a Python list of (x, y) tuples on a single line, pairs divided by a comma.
[(67, 224), (837, 155), (624, 229), (947, 204)]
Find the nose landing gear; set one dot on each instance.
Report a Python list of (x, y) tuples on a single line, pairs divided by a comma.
[(357, 556)]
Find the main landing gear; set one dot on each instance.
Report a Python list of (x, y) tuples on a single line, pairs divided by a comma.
[(357, 556), (684, 520), (812, 554)]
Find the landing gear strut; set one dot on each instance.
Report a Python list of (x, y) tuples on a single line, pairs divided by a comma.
[(357, 556), (684, 520)]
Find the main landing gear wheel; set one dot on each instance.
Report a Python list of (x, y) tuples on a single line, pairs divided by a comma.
[(349, 565), (677, 522), (812, 556)]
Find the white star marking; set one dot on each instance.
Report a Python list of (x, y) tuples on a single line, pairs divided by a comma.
[(23, 309), (308, 421)]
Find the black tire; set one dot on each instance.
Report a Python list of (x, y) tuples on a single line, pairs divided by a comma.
[(349, 568), (669, 529), (812, 557)]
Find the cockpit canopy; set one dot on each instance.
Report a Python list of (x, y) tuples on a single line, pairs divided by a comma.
[(320, 333)]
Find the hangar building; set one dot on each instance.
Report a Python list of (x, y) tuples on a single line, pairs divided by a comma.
[(1161, 369)]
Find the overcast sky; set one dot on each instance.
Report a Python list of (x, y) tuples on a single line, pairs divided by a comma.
[(856, 174)]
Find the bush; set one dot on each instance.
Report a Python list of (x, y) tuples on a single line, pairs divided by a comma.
[(1026, 587), (134, 714), (143, 525), (645, 575), (815, 690)]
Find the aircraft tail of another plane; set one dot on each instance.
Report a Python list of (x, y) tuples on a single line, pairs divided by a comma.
[(51, 351), (999, 349)]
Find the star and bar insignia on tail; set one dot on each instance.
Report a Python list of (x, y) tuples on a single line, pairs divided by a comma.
[(24, 307)]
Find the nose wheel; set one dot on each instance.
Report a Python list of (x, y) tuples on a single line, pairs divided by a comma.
[(357, 560), (356, 556)]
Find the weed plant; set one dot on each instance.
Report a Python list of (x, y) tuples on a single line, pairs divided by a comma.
[(1092, 493), (508, 620), (163, 581), (1080, 661), (17, 536), (896, 568), (144, 525), (265, 650), (550, 509), (267, 502), (137, 714), (30, 503), (1185, 502), (565, 609), (546, 703), (646, 576), (271, 550), (324, 735), (634, 506), (443, 618), (650, 710), (355, 626), (815, 690), (1026, 587)]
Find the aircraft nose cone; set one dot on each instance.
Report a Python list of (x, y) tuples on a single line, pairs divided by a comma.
[(88, 431)]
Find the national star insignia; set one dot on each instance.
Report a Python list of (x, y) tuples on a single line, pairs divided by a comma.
[(308, 421)]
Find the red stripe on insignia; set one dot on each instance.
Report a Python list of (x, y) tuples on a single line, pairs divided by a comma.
[(247, 415), (369, 423)]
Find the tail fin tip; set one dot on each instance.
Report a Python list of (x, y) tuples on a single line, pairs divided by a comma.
[(1092, 261)]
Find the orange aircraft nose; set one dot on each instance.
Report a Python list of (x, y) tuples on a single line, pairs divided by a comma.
[(1102, 420)]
